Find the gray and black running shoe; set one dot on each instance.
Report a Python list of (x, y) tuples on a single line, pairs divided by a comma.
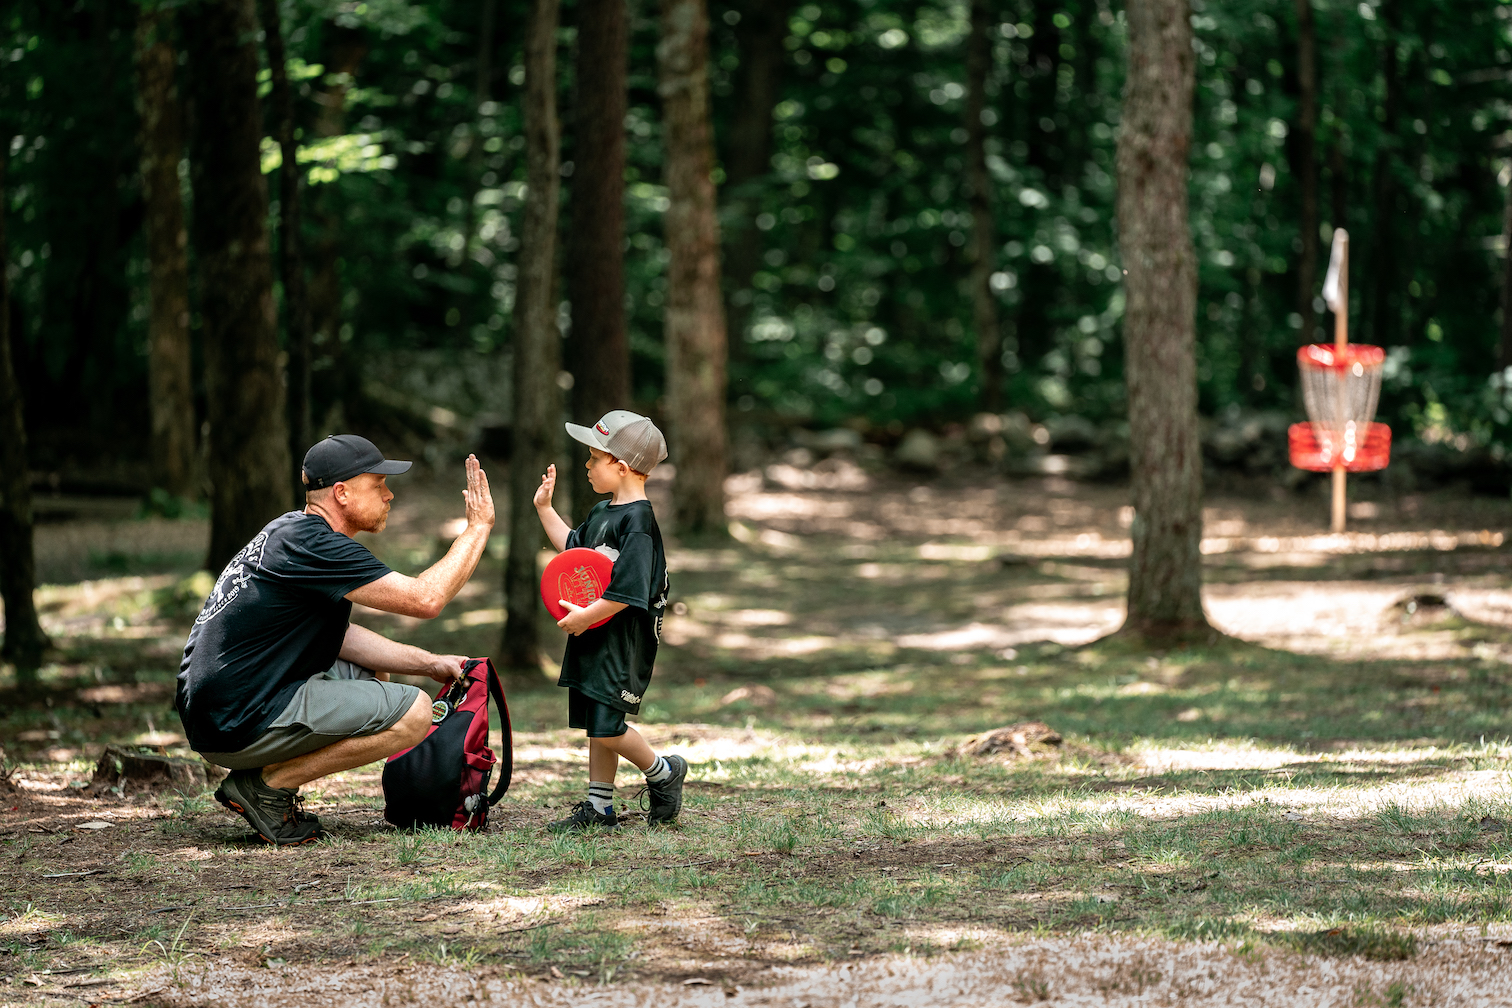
[(275, 813), (584, 817), (666, 796)]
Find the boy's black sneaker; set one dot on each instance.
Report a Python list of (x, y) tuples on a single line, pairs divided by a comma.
[(584, 816), (274, 813), (666, 796)]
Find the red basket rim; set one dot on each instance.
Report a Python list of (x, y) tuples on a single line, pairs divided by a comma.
[(1329, 356), (1307, 450)]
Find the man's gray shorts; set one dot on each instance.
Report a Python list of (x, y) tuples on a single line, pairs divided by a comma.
[(343, 702)]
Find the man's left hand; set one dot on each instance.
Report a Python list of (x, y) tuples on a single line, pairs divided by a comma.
[(447, 668)]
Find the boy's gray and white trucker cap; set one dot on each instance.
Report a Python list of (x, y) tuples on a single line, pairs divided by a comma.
[(629, 437)]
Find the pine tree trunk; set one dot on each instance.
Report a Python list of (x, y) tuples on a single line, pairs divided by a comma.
[(1504, 347), (537, 403), (983, 234), (598, 349), (343, 51), (759, 35), (1305, 166), (24, 639), (1155, 241), (249, 447), (1382, 276), (695, 325), (169, 373), (290, 261)]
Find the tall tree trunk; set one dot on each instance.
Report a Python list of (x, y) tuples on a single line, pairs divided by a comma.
[(340, 380), (24, 640), (695, 324), (169, 374), (249, 446), (1383, 184), (290, 262), (759, 35), (984, 314), (1304, 148), (1338, 182), (598, 347), (537, 404), (1155, 241), (483, 95), (1504, 348)]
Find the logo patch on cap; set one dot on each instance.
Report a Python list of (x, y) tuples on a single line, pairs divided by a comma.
[(601, 428)]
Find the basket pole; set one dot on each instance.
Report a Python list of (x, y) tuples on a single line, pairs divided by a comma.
[(1341, 343)]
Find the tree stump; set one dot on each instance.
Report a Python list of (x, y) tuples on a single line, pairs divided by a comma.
[(135, 769), (1024, 740)]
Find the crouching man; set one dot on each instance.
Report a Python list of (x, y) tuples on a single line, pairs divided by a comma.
[(276, 685)]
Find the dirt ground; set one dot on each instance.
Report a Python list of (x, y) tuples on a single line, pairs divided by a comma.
[(818, 671)]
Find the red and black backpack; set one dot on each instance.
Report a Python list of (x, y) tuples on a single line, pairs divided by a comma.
[(443, 780)]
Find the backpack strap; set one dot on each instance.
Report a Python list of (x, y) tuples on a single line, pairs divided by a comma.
[(506, 756)]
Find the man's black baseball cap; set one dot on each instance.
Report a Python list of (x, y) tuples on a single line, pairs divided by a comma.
[(342, 456)]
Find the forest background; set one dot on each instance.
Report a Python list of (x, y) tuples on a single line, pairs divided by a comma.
[(869, 285)]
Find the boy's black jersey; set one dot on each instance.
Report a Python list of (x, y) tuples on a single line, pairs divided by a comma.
[(612, 663)]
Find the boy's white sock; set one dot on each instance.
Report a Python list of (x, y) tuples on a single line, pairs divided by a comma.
[(658, 771), (602, 796)]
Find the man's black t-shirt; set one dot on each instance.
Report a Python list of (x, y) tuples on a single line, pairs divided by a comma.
[(277, 616), (612, 664)]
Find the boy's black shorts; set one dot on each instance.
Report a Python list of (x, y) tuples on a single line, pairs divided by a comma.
[(598, 720)]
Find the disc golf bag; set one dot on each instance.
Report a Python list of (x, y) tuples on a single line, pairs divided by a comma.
[(443, 780)]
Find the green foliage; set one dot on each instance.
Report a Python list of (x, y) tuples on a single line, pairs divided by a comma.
[(858, 310)]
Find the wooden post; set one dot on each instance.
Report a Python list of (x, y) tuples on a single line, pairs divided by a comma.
[(1341, 341)]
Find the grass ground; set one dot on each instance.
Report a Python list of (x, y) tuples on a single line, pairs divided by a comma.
[(1331, 783)]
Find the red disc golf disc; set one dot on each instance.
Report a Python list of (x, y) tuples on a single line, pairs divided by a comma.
[(578, 575)]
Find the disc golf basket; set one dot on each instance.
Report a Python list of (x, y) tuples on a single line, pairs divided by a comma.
[(1341, 383)]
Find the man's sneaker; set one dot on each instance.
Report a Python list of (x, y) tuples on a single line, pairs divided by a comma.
[(274, 813), (666, 796), (585, 816)]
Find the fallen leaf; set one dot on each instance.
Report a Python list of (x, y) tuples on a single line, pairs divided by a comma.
[(557, 973), (752, 853), (698, 982), (427, 917), (97, 824)]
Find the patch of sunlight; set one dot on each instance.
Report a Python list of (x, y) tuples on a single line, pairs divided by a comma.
[(973, 635), (766, 647), (475, 617), (757, 617), (956, 551)]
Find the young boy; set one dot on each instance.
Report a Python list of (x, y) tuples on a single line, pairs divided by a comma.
[(606, 670)]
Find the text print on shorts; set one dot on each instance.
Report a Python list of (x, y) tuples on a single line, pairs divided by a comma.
[(237, 573), (629, 697)]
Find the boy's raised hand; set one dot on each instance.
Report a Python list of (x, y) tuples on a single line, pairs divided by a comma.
[(546, 489)]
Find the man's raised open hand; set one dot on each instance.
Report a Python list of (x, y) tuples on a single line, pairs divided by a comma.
[(426, 595), (476, 498)]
